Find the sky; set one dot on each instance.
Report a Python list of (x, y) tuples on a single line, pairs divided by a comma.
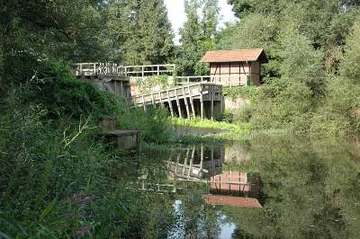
[(176, 12)]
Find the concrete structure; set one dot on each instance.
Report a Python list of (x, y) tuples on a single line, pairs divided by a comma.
[(121, 139), (104, 76), (236, 67)]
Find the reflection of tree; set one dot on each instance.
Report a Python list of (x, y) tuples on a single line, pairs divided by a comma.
[(199, 219), (311, 189)]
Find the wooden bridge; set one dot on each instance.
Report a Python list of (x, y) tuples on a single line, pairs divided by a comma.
[(191, 100), (192, 96)]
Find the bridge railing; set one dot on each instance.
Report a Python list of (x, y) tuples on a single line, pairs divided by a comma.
[(96, 68), (185, 80), (148, 70)]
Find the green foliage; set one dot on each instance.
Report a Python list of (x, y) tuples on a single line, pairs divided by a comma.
[(349, 67), (311, 182), (212, 130), (153, 123), (154, 83), (248, 92), (197, 36), (57, 179), (139, 32)]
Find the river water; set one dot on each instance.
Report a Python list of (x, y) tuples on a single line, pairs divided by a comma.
[(266, 187)]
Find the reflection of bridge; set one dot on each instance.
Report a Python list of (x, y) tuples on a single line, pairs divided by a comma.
[(204, 165), (203, 98), (195, 164)]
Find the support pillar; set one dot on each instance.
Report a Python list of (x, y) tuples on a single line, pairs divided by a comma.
[(191, 103), (170, 104), (178, 105), (202, 106), (212, 105), (186, 103)]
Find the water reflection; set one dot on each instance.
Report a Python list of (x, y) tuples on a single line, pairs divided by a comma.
[(316, 184), (204, 164)]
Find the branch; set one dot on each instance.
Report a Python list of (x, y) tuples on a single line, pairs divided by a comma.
[(81, 128)]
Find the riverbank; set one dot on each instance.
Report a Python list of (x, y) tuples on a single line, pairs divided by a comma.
[(199, 130)]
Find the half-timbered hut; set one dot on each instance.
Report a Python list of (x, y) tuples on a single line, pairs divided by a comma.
[(236, 67)]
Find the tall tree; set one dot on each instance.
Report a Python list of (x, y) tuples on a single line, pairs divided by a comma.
[(197, 35), (139, 32), (32, 32)]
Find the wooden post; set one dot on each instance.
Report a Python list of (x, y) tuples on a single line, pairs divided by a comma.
[(191, 161), (191, 102), (160, 98), (153, 99), (143, 101), (170, 104), (185, 161), (178, 105), (186, 103), (122, 91), (212, 102), (202, 106)]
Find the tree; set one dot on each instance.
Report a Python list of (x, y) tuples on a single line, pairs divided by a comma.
[(350, 68), (139, 32), (33, 32), (197, 35)]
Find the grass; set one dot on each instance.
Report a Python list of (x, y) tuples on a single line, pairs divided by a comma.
[(227, 131)]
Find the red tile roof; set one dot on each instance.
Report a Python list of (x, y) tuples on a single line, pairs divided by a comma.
[(238, 55)]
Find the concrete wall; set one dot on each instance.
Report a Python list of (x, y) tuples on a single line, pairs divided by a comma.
[(117, 87)]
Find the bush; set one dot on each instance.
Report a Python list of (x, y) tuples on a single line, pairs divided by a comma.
[(154, 124), (57, 180)]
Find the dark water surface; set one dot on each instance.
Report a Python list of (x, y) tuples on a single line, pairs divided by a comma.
[(288, 188)]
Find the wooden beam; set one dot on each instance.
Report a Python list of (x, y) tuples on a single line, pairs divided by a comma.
[(178, 106), (191, 102), (143, 102), (202, 106), (212, 102), (170, 104), (186, 103)]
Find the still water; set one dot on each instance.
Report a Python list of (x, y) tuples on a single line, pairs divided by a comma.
[(266, 187)]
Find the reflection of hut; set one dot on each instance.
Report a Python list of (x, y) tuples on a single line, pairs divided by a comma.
[(236, 67), (232, 201), (237, 183)]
